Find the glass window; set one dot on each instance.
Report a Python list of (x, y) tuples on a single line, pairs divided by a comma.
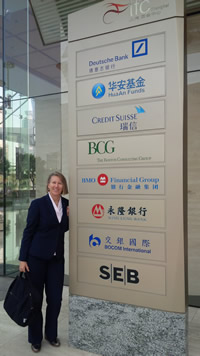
[(18, 149), (193, 62), (33, 151), (1, 146)]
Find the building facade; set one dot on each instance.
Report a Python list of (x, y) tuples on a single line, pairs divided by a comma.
[(34, 117)]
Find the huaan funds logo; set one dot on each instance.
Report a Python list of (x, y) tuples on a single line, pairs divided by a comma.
[(114, 9), (98, 90)]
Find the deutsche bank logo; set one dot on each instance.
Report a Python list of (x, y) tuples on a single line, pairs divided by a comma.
[(94, 241), (140, 48), (98, 90)]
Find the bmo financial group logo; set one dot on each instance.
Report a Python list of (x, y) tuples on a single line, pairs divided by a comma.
[(102, 179)]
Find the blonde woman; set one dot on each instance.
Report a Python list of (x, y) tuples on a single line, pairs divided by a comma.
[(42, 256)]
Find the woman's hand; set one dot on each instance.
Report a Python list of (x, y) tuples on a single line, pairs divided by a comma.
[(23, 266), (67, 210)]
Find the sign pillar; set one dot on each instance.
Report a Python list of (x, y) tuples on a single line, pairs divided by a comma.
[(126, 110)]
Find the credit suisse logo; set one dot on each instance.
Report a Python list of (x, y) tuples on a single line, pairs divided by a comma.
[(98, 90), (98, 211)]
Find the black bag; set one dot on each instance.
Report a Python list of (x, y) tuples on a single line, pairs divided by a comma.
[(22, 301)]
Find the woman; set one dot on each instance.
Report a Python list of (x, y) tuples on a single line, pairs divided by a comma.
[(42, 255)]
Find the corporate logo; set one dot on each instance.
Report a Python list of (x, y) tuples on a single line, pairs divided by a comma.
[(137, 7), (140, 48), (113, 9), (94, 241), (102, 179), (140, 109), (98, 90), (101, 147), (98, 211), (119, 274)]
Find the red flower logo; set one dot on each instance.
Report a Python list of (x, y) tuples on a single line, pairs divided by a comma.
[(98, 211), (116, 9)]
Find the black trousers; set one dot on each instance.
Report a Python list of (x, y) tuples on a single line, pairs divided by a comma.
[(49, 275)]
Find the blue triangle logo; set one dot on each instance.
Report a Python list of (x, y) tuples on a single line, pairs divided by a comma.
[(139, 109)]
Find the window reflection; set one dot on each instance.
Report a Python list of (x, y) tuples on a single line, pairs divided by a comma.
[(193, 62)]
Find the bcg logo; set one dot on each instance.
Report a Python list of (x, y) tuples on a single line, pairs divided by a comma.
[(101, 147)]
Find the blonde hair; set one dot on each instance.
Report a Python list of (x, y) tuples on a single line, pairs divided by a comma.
[(63, 180)]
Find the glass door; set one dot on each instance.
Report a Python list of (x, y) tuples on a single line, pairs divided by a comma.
[(193, 78)]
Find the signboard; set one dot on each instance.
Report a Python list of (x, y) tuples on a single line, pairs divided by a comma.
[(126, 71), (140, 180), (127, 54), (122, 243), (107, 17), (131, 149), (132, 275), (122, 119), (146, 83), (148, 213)]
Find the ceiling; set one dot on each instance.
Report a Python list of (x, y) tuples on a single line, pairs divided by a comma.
[(43, 61)]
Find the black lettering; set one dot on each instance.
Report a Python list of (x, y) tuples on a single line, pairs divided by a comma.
[(105, 274), (116, 273), (132, 276)]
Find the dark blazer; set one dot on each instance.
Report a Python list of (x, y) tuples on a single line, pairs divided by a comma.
[(43, 234)]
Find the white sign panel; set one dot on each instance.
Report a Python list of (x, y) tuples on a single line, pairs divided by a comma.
[(133, 212), (123, 118), (146, 83), (107, 16), (131, 149), (126, 275), (122, 243), (140, 180), (125, 54)]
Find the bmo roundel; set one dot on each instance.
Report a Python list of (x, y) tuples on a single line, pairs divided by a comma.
[(102, 179), (98, 211)]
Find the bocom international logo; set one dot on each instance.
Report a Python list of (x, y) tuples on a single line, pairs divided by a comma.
[(94, 241), (98, 211), (98, 90)]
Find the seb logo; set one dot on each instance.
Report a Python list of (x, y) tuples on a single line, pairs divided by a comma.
[(101, 147), (98, 211), (119, 274)]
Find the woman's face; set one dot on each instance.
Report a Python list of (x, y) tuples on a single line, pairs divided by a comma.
[(55, 186)]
